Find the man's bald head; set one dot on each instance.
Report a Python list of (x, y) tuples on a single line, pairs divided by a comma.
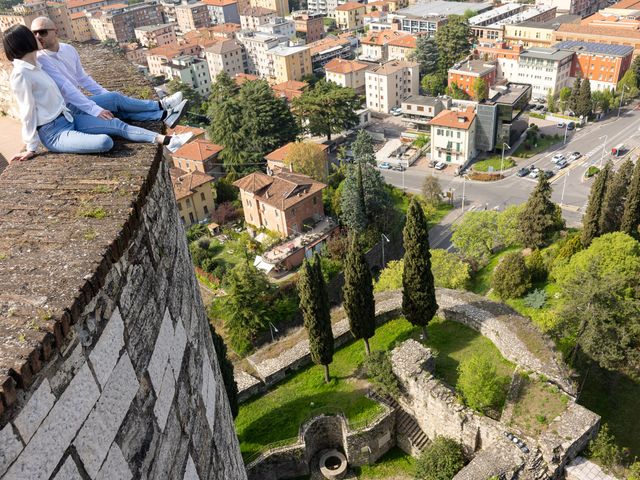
[(46, 32), (42, 23)]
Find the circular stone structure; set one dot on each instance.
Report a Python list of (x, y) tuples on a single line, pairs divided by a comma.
[(333, 465)]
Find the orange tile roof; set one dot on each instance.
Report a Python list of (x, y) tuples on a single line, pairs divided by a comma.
[(240, 78), (602, 31), (291, 85), (198, 150), (626, 5), (256, 11), (77, 15), (113, 6), (81, 3), (226, 28), (219, 3), (283, 190), (345, 7), (454, 119), (408, 41), (339, 65), (185, 184), (375, 14), (325, 43), (383, 37), (280, 154), (197, 132)]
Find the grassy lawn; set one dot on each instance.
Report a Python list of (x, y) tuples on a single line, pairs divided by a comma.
[(277, 415), (441, 211), (542, 144), (483, 165), (395, 464)]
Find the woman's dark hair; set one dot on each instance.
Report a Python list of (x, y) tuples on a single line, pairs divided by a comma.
[(18, 40)]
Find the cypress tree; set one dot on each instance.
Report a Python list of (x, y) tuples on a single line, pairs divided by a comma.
[(540, 218), (591, 219), (314, 304), (418, 289), (617, 190), (357, 293), (631, 216), (226, 368), (583, 105), (575, 94)]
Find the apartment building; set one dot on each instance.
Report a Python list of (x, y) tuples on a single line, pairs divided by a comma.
[(536, 34), (80, 27), (325, 50), (288, 63), (453, 136), (494, 32), (581, 8), (604, 65), (252, 17), (192, 16), (226, 56), (152, 36), (281, 203), (223, 11), (225, 30), (278, 26), (21, 15), (349, 16), (401, 48), (375, 45), (194, 194), (59, 13), (428, 17), (419, 110), (347, 73), (390, 83), (134, 53), (198, 155), (386, 5), (192, 71), (506, 58), (158, 57), (281, 7), (118, 22), (612, 32), (256, 45), (77, 6), (545, 69), (308, 25), (465, 74)]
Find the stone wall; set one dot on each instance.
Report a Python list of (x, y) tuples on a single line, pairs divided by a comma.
[(107, 368)]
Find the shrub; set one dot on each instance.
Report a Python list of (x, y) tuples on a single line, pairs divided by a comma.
[(441, 460), (479, 383), (591, 171), (604, 449), (391, 277), (196, 231), (634, 471), (511, 277), (536, 266), (536, 299), (380, 373), (448, 270)]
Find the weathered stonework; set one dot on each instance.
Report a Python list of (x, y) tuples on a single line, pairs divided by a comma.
[(107, 368)]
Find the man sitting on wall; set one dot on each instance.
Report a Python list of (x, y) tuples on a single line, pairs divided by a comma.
[(62, 62)]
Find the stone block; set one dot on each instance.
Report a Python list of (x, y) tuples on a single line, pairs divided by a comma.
[(208, 389), (105, 354), (115, 467), (35, 411), (190, 472), (103, 423), (11, 447), (68, 470), (161, 351), (165, 398), (41, 455), (177, 348)]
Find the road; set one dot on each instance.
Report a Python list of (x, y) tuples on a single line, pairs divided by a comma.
[(570, 188)]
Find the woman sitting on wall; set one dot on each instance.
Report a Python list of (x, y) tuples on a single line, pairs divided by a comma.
[(46, 118)]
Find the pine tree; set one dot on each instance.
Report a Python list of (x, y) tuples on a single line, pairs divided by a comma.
[(314, 304), (418, 289), (454, 42), (575, 94), (584, 106), (362, 148), (541, 218), (613, 207), (631, 217), (357, 293), (426, 54), (591, 219), (226, 368)]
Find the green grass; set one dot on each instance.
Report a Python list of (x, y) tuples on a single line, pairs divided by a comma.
[(441, 211), (537, 405), (481, 280), (542, 144), (543, 317), (278, 415), (495, 162), (394, 464)]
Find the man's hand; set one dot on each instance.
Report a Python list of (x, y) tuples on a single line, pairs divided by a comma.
[(22, 156), (106, 115)]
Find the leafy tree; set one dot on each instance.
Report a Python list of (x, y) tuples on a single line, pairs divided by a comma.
[(327, 108), (605, 449), (479, 383), (475, 237), (536, 266), (455, 92), (418, 290), (426, 54), (575, 95), (629, 84), (480, 89), (583, 103), (631, 216), (454, 42), (509, 225), (614, 198), (448, 270), (197, 231), (541, 218), (357, 292), (634, 471), (635, 66), (197, 105), (601, 100), (307, 158), (390, 277), (362, 148), (565, 96), (314, 305), (592, 216), (431, 190), (226, 368), (440, 460), (433, 84), (511, 278), (380, 373)]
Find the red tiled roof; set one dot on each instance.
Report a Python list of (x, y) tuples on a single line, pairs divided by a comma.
[(280, 154), (219, 3), (197, 132), (282, 190), (185, 184), (199, 150), (454, 119), (383, 37), (340, 65), (345, 7), (407, 41), (240, 78)]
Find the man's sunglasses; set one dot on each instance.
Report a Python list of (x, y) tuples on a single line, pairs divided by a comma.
[(43, 33)]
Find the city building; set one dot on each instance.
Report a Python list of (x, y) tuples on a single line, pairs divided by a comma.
[(604, 65), (281, 7), (325, 50), (419, 110), (581, 8), (278, 26), (223, 11), (288, 63), (118, 22), (179, 129), (80, 27), (198, 155), (386, 5), (465, 74), (375, 45), (611, 30), (192, 71), (151, 36), (194, 195), (494, 32), (545, 69), (283, 203), (191, 16), (134, 53), (290, 89), (252, 17), (347, 73), (401, 48), (349, 16), (427, 17), (59, 13), (453, 136), (158, 57), (506, 58), (226, 56), (225, 30), (536, 34), (77, 6), (390, 83), (376, 17), (309, 26), (256, 45), (276, 159)]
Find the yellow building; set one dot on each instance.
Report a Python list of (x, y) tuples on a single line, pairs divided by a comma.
[(80, 27), (350, 16), (194, 194), (280, 6), (288, 63)]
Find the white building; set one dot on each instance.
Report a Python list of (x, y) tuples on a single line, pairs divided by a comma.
[(278, 26), (453, 136), (388, 84), (192, 71), (226, 56), (256, 45), (545, 69)]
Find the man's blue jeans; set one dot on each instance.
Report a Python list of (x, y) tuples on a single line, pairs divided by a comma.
[(128, 108)]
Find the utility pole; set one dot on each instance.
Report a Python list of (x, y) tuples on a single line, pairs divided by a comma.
[(621, 100), (603, 147), (502, 161), (464, 183), (382, 240), (563, 187)]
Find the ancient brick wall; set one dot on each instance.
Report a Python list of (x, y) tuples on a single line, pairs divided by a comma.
[(107, 368)]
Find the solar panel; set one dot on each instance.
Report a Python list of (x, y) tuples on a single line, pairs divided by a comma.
[(593, 47)]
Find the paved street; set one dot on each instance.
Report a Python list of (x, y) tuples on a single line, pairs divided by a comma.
[(570, 188)]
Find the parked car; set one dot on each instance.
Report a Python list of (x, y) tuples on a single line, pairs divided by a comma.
[(571, 125), (575, 156), (548, 173), (561, 124), (433, 163), (523, 172), (399, 168), (396, 111), (440, 165), (561, 164), (384, 166), (534, 173), (557, 157)]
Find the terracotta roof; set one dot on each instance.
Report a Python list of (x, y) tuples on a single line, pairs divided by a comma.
[(626, 5), (185, 184), (408, 41), (391, 67), (376, 14), (383, 37), (345, 7), (240, 78), (454, 119), (224, 46), (256, 12), (226, 28), (199, 150), (340, 65), (279, 154), (610, 31), (169, 51), (290, 89), (326, 43), (113, 6), (282, 190), (219, 3), (77, 15), (81, 3), (197, 132)]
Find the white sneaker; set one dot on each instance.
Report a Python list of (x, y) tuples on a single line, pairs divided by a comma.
[(178, 140), (171, 101), (175, 114)]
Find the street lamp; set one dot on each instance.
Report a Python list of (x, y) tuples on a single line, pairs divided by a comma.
[(603, 146), (564, 186), (566, 129), (464, 183), (502, 161), (272, 329), (382, 240), (621, 99)]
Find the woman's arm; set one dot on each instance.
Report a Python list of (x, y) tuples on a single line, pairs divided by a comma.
[(27, 107)]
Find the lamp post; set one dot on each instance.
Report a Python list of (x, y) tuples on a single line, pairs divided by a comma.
[(621, 99), (272, 329), (382, 240), (564, 186), (464, 183), (502, 161), (603, 147), (566, 129)]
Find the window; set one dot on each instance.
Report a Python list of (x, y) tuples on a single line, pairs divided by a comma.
[(188, 202), (277, 213), (202, 196), (315, 200), (191, 218), (206, 210)]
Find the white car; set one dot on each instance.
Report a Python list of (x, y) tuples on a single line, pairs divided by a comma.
[(440, 165), (534, 172), (557, 157)]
